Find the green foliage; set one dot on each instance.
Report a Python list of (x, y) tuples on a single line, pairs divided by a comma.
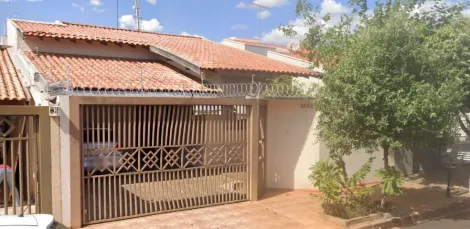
[(327, 177), (342, 196), (391, 181), (397, 74), (382, 84), (450, 54)]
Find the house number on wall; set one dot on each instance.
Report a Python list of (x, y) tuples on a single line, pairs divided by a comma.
[(308, 106)]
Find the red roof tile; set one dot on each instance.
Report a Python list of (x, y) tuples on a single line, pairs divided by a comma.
[(11, 87), (102, 73), (204, 53)]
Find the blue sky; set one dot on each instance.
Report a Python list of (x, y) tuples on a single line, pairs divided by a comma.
[(213, 19)]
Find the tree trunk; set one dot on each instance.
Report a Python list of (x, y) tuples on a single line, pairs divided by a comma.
[(386, 153), (386, 166)]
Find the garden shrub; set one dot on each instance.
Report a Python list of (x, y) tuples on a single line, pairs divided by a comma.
[(342, 196)]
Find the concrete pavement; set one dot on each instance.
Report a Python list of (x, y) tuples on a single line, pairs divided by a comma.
[(460, 220)]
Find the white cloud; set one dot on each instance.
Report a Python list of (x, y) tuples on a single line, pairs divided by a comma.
[(98, 10), (184, 33), (333, 8), (265, 3), (466, 13), (152, 25), (96, 2), (80, 7), (238, 27), (34, 0), (153, 2), (263, 14), (4, 0), (276, 36), (271, 3), (242, 5)]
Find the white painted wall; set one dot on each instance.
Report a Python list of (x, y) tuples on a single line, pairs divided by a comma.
[(358, 158), (292, 147), (291, 60), (258, 50), (291, 144), (233, 44)]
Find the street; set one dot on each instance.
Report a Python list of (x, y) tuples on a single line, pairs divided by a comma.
[(459, 220)]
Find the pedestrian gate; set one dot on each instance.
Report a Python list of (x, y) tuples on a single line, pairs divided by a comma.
[(146, 159)]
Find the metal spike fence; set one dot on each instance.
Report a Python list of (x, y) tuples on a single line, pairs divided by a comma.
[(139, 83)]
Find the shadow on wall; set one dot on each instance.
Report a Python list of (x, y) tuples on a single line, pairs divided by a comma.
[(291, 144), (417, 159), (358, 158), (429, 165)]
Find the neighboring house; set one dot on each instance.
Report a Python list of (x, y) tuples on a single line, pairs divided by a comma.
[(12, 91), (19, 134), (276, 52)]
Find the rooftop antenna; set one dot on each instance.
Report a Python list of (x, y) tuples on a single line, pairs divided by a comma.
[(117, 13), (16, 13), (261, 7), (137, 14), (9, 9)]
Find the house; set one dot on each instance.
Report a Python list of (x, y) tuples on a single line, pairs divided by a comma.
[(143, 123), (280, 53), (12, 91), (276, 52)]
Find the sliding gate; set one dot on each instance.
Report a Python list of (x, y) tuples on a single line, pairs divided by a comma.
[(146, 159)]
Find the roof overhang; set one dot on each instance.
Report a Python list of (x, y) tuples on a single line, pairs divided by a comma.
[(194, 68)]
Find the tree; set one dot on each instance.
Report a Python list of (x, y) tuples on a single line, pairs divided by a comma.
[(382, 87), (451, 56)]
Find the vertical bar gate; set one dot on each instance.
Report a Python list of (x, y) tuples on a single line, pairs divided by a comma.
[(19, 191), (146, 159)]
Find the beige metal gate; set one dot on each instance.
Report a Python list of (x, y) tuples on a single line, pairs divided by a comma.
[(147, 159), (21, 161)]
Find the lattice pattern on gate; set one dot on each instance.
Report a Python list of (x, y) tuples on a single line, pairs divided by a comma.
[(145, 159)]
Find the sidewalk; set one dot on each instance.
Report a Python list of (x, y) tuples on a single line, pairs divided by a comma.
[(284, 209)]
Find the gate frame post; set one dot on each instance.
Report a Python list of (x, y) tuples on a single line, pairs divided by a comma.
[(73, 162), (44, 161), (253, 149)]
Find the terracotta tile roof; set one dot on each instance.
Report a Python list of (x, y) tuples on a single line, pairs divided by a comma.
[(103, 73), (204, 53), (11, 87)]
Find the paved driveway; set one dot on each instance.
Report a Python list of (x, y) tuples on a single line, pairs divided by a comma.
[(278, 209)]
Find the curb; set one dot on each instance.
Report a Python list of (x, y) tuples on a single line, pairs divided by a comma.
[(415, 217)]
